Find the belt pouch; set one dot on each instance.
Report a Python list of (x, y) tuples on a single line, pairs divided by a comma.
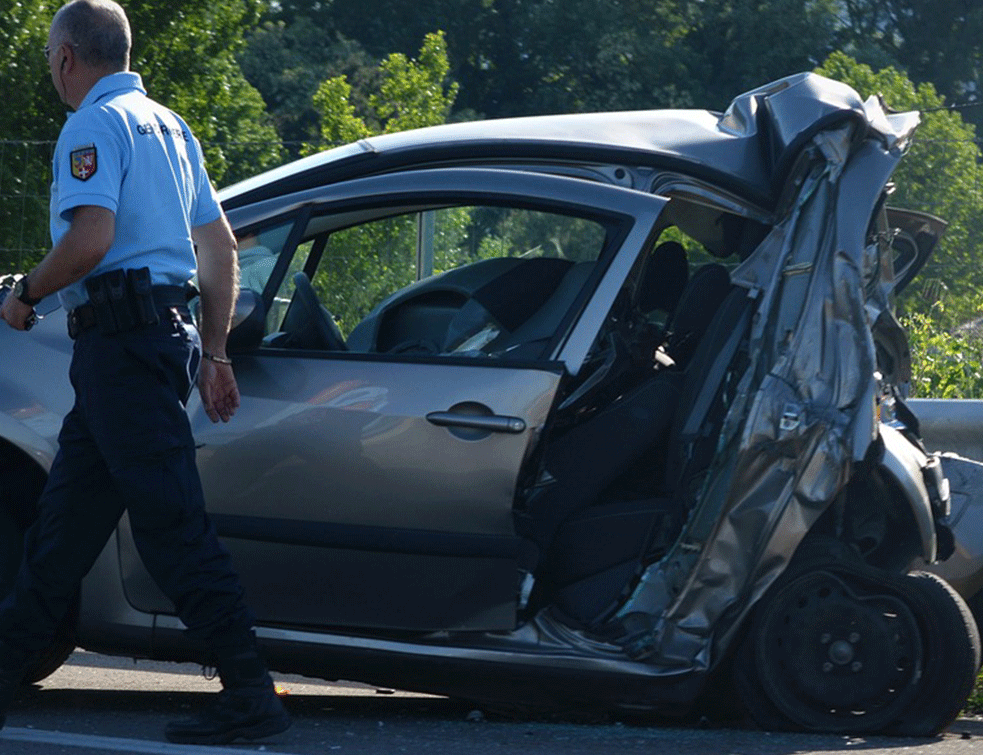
[(98, 289), (119, 300), (142, 296)]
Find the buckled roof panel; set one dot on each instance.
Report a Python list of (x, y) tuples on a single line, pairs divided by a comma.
[(748, 148)]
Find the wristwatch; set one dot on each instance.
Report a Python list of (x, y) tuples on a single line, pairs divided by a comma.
[(20, 291)]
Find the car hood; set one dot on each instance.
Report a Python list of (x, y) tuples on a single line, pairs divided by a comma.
[(749, 148)]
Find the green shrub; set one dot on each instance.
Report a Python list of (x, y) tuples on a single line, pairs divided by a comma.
[(947, 360)]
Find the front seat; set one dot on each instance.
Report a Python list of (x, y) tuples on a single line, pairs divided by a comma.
[(698, 304)]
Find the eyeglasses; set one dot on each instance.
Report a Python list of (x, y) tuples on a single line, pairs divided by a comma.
[(48, 48)]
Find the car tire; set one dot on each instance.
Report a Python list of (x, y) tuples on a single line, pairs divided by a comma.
[(831, 649), (975, 604), (750, 696), (11, 551), (952, 656)]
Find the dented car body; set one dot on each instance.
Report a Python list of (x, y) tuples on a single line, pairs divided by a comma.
[(571, 411)]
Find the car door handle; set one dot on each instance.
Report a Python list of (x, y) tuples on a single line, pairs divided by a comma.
[(489, 423)]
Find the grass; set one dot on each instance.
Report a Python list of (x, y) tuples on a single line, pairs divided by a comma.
[(974, 704)]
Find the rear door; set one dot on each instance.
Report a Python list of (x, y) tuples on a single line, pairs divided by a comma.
[(373, 486)]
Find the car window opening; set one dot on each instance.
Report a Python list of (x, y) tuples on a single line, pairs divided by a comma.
[(622, 463), (476, 281)]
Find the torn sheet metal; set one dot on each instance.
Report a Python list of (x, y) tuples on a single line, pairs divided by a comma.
[(805, 411)]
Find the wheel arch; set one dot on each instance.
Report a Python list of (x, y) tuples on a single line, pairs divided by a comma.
[(904, 463), (24, 471), (872, 517)]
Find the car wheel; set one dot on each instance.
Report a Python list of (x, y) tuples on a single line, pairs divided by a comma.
[(750, 696), (832, 652), (11, 550), (975, 604), (951, 647)]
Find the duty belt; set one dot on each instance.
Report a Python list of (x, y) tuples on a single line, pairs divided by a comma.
[(84, 316)]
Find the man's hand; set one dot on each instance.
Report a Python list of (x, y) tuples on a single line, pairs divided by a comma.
[(217, 282), (219, 392), (83, 246), (16, 313)]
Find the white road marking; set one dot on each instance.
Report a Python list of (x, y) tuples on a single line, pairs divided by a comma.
[(115, 744)]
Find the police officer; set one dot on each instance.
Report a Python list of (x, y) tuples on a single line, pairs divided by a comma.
[(130, 201)]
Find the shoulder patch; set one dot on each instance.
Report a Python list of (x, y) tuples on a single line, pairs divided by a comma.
[(84, 163)]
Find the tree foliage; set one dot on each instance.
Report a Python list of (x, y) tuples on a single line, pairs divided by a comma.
[(941, 174), (412, 93), (936, 41), (945, 363), (288, 58), (516, 57), (365, 263), (25, 166), (185, 51)]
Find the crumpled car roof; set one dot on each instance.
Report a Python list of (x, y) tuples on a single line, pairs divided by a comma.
[(749, 148)]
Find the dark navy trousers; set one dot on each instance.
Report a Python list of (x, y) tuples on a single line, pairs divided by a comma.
[(127, 446)]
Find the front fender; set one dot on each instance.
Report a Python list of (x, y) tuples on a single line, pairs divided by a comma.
[(35, 392), (31, 436), (904, 463)]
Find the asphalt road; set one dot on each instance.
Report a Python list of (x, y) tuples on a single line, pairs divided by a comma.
[(96, 704)]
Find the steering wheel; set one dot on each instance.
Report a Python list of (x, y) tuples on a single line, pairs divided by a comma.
[(327, 330)]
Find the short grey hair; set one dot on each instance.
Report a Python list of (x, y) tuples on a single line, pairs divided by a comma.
[(98, 30)]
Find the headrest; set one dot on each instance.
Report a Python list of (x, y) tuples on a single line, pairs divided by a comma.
[(664, 278)]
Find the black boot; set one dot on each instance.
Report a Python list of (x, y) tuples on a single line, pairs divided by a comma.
[(247, 707)]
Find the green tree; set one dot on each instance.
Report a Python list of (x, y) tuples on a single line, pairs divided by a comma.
[(733, 46), (945, 364), (940, 174), (339, 122), (518, 57), (595, 55), (411, 94), (937, 41), (287, 58), (30, 108), (415, 93), (480, 39), (31, 116), (365, 263), (185, 51)]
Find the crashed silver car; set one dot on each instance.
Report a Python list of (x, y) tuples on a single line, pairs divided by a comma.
[(593, 411)]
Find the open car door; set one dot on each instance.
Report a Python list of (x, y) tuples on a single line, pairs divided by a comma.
[(916, 234), (370, 482)]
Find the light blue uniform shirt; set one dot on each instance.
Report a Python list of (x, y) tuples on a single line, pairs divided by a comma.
[(123, 151)]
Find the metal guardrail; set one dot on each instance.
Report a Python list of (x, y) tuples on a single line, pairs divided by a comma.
[(951, 425)]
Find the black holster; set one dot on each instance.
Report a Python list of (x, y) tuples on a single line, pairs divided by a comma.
[(122, 300)]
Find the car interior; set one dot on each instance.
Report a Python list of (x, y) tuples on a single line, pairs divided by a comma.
[(663, 373), (642, 411)]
